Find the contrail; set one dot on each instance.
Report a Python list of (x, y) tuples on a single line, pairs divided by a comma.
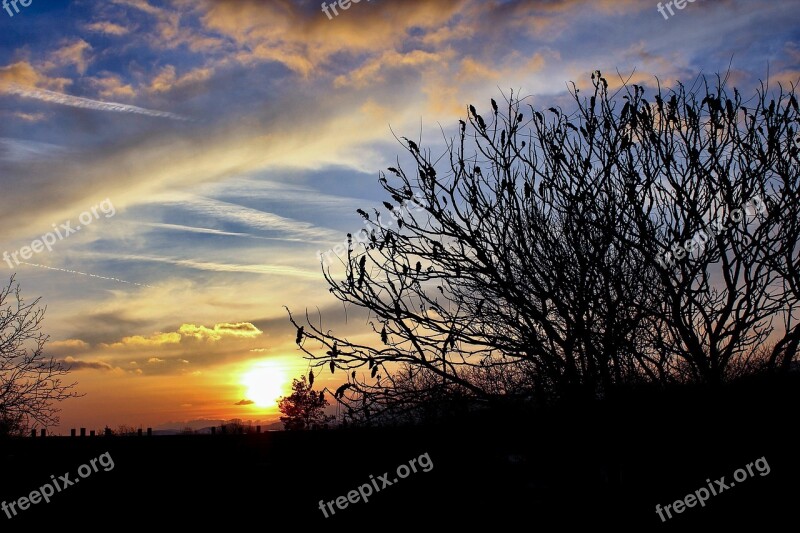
[(77, 101), (85, 274)]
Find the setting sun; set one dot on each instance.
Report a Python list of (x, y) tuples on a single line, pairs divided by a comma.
[(264, 384)]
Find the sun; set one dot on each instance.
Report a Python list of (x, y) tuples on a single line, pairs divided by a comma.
[(264, 384)]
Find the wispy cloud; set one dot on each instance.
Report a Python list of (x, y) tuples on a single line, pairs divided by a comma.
[(109, 28), (257, 219), (193, 229), (86, 103), (21, 151), (283, 270)]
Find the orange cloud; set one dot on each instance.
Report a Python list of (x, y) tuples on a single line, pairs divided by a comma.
[(306, 40), (70, 343), (109, 28), (373, 70), (72, 54), (166, 80), (112, 86), (23, 73)]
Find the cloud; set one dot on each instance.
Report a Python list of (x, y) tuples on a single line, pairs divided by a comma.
[(29, 117), (240, 329), (75, 344), (155, 360), (69, 347), (193, 229), (167, 80), (373, 71), (304, 40), (109, 28), (72, 54), (141, 5), (257, 219), (244, 402), (169, 33), (112, 86), (23, 73), (77, 101), (138, 341), (210, 266), (75, 364), (22, 151)]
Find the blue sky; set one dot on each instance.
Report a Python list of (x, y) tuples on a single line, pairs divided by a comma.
[(249, 132)]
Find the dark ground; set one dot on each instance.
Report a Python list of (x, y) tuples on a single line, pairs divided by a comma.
[(547, 471)]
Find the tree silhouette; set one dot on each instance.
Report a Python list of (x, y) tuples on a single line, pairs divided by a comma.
[(528, 261), (30, 383), (304, 408)]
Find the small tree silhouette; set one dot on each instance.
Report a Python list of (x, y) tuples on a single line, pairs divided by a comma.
[(304, 408)]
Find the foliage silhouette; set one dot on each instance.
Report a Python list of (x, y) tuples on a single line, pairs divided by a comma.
[(304, 408)]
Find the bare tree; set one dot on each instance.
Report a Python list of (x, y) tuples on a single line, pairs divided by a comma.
[(715, 199), (30, 383), (533, 262)]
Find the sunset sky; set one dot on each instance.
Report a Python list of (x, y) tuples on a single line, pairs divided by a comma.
[(248, 135)]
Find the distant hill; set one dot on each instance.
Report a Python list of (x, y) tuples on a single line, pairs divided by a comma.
[(204, 425)]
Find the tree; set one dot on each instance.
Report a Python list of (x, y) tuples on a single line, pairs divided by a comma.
[(533, 262), (30, 383), (304, 408), (126, 431)]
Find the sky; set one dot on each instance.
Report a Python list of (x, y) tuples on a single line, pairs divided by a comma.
[(210, 150)]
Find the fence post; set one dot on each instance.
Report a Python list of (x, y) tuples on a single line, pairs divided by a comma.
[(91, 433), (258, 429), (43, 432), (33, 433), (139, 432), (213, 430), (149, 432), (83, 432), (72, 432)]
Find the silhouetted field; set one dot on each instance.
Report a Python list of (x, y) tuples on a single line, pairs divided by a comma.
[(609, 464)]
